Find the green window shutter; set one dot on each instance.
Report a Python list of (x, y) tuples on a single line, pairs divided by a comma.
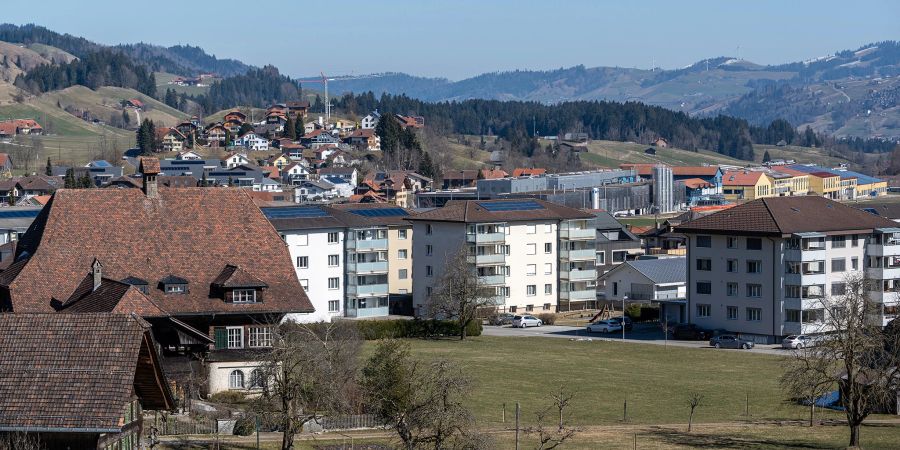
[(221, 338)]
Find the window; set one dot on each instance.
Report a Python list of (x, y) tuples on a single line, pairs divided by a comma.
[(512, 309), (305, 283), (618, 256), (505, 249), (615, 288), (792, 267), (428, 229), (731, 242), (334, 305), (754, 290), (333, 237), (754, 266), (704, 287), (428, 291), (334, 283), (838, 241), (401, 254), (428, 250), (334, 260), (792, 291), (236, 380), (732, 289), (838, 265), (504, 291), (704, 264), (703, 310), (302, 262), (601, 258), (175, 289), (731, 313), (243, 296), (854, 240), (548, 289), (506, 271), (838, 288), (546, 306), (401, 234), (531, 249), (402, 274), (548, 247), (812, 315), (235, 337), (754, 244), (531, 290), (548, 268), (704, 241), (854, 263), (754, 314), (260, 337), (529, 308), (531, 269), (792, 315), (531, 229), (731, 265), (429, 271)]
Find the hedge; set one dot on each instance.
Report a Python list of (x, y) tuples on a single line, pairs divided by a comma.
[(399, 328)]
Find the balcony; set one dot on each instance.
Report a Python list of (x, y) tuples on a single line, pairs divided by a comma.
[(367, 290), (486, 238), (586, 294), (373, 267), (368, 245), (574, 234), (492, 280), (487, 259), (578, 274), (368, 312), (583, 254)]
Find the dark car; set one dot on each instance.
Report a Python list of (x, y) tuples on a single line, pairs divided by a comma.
[(730, 341), (627, 322), (690, 331), (502, 319)]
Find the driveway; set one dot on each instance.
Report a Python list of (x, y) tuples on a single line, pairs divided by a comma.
[(641, 334)]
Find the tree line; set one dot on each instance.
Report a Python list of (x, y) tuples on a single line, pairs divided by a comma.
[(94, 70)]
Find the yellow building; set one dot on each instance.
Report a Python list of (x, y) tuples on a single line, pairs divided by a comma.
[(745, 185), (400, 259), (825, 184)]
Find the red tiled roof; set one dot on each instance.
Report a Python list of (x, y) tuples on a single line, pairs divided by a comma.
[(149, 166), (741, 178), (525, 172), (491, 174), (696, 183)]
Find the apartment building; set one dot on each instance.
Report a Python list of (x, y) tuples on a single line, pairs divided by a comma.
[(539, 256), (762, 268)]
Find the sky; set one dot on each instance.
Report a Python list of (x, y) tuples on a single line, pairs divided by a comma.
[(462, 38)]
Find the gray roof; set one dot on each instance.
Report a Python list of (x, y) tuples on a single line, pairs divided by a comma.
[(662, 270)]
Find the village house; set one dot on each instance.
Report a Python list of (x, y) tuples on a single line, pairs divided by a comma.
[(6, 163), (189, 155), (252, 142), (9, 128), (170, 139), (235, 116), (347, 174), (295, 173), (217, 135), (235, 159), (370, 121), (457, 179), (364, 139), (313, 191)]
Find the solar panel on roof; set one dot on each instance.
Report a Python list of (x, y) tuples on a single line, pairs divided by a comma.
[(19, 214), (304, 212), (523, 205), (380, 212)]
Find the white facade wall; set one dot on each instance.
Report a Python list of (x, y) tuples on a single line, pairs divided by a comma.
[(314, 246), (220, 373)]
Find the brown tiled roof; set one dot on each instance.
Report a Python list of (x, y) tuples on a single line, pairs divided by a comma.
[(471, 211), (180, 232), (526, 172), (491, 174), (468, 175), (76, 371), (786, 215), (111, 296), (149, 166), (235, 277)]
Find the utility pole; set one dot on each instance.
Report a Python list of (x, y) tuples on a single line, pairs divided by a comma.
[(517, 425)]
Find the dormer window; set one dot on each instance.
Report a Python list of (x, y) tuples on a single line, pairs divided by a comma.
[(236, 285), (138, 284), (174, 285), (175, 289), (243, 296)]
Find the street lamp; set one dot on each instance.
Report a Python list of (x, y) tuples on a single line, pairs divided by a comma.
[(624, 298)]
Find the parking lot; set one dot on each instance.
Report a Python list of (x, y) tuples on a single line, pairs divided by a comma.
[(642, 333)]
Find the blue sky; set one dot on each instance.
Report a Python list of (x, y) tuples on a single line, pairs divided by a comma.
[(461, 38)]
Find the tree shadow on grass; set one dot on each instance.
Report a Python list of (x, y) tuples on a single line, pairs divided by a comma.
[(706, 440)]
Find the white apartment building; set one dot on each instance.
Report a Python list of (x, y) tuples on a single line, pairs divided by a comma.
[(762, 268), (536, 254)]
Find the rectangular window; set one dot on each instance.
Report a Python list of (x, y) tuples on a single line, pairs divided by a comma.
[(531, 290), (812, 315), (505, 291), (731, 265), (334, 260), (838, 288), (792, 291), (754, 244), (505, 249), (704, 287), (305, 283), (243, 296), (512, 309), (838, 241), (334, 305), (334, 283), (732, 242), (703, 310), (601, 258), (302, 262), (732, 313), (754, 314), (548, 289), (529, 308), (548, 247), (547, 306), (548, 268), (754, 266), (531, 249), (531, 229), (618, 256), (428, 229), (402, 274), (792, 315), (429, 250), (732, 289), (531, 269), (838, 265), (854, 240), (428, 291), (429, 271), (704, 241), (704, 264), (174, 289), (235, 337), (792, 267), (401, 254), (333, 237), (854, 263), (401, 234), (754, 290), (260, 337)]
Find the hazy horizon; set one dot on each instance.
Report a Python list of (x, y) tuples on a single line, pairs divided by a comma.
[(468, 38)]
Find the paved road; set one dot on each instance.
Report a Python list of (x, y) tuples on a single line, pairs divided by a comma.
[(642, 334)]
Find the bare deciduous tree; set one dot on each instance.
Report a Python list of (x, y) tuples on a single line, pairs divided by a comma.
[(460, 293), (308, 373), (555, 436), (856, 355), (20, 441), (695, 401)]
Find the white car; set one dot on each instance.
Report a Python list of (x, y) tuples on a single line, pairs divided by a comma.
[(526, 321), (604, 326), (798, 341)]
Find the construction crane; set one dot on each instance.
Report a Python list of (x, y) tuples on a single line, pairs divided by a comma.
[(324, 81)]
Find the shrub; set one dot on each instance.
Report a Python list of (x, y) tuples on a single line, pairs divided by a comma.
[(245, 426), (547, 318), (381, 329), (228, 397), (634, 311)]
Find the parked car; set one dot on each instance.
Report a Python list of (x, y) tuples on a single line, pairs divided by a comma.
[(798, 341), (628, 324), (526, 321), (730, 341), (502, 319), (690, 331), (604, 326)]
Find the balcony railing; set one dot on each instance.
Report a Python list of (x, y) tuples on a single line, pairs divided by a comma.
[(486, 238), (368, 244), (577, 233), (367, 267), (584, 254), (492, 258), (492, 280), (578, 274), (367, 290), (586, 294)]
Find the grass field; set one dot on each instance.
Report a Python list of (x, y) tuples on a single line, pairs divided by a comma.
[(612, 153)]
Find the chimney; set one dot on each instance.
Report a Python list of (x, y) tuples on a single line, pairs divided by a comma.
[(149, 169), (97, 271)]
